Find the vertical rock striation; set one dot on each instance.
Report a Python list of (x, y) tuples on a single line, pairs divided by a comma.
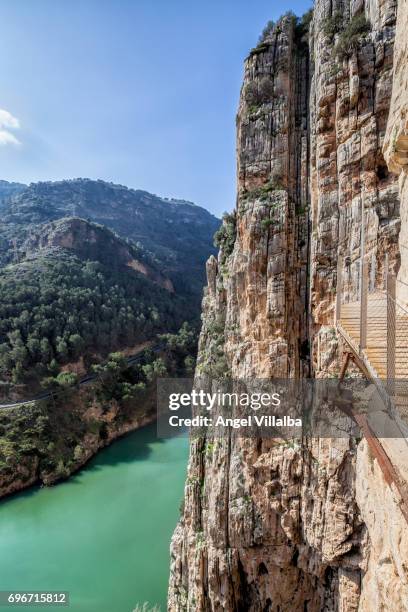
[(269, 526), (350, 99), (396, 138)]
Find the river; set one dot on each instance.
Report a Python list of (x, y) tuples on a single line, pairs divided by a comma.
[(104, 534)]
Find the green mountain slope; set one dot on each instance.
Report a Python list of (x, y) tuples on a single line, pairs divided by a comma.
[(9, 189), (177, 233), (79, 292)]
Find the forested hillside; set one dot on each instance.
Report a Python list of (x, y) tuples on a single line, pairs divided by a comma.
[(8, 189), (78, 293), (76, 299), (177, 233), (88, 267)]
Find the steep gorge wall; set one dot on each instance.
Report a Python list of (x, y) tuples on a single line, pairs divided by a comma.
[(271, 526), (396, 139), (349, 109)]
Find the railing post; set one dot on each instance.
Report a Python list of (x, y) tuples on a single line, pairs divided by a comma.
[(385, 277), (363, 283), (391, 329), (363, 305), (372, 273), (339, 289)]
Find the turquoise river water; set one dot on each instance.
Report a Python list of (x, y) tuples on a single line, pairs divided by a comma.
[(104, 534)]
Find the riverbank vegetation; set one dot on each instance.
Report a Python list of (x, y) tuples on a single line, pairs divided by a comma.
[(50, 439)]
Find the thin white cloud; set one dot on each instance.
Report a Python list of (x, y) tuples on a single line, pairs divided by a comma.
[(8, 138), (8, 122)]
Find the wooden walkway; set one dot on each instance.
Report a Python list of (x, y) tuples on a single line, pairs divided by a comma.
[(376, 352), (375, 333)]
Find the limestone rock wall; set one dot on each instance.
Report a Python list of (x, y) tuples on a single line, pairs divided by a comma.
[(269, 525), (396, 139), (385, 581), (266, 276), (349, 109)]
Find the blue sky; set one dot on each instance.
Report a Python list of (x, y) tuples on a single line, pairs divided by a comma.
[(139, 92)]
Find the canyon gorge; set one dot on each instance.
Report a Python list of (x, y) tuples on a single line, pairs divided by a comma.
[(322, 149)]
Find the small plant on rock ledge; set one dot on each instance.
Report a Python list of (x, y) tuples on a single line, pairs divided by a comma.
[(224, 237), (266, 32), (332, 25), (334, 69), (258, 93), (266, 223), (351, 36), (260, 48), (262, 192), (301, 209)]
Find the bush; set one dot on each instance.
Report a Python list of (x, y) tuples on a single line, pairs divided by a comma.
[(67, 379), (64, 380), (302, 27), (351, 36), (264, 191), (224, 237), (265, 90), (334, 69), (251, 94), (267, 31), (266, 223), (333, 25), (257, 94), (306, 20)]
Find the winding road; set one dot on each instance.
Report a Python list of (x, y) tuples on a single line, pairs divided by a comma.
[(84, 381)]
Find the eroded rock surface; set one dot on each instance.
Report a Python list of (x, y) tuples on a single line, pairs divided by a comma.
[(396, 139), (274, 525)]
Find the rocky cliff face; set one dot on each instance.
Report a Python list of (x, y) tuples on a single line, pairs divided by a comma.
[(350, 182), (396, 138), (267, 525)]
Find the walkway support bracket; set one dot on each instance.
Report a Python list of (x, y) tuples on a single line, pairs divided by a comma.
[(347, 358)]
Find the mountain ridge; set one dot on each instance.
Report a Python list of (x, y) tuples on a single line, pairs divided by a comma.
[(86, 238), (177, 233)]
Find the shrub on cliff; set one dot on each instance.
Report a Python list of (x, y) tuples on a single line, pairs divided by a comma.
[(265, 90), (224, 237), (332, 25), (302, 27), (351, 37), (266, 223), (259, 93), (251, 94), (306, 20), (263, 192), (267, 31)]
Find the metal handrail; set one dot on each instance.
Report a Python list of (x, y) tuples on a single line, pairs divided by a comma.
[(400, 306), (396, 300), (402, 282), (366, 308)]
